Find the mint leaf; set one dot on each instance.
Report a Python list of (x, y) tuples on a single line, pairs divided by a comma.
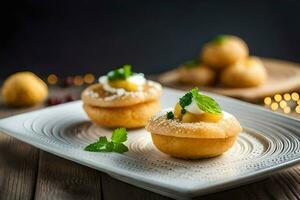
[(120, 74), (192, 63), (170, 115), (115, 145), (109, 147), (206, 103), (102, 140), (219, 39), (186, 100), (93, 147), (119, 135), (100, 145), (119, 148)]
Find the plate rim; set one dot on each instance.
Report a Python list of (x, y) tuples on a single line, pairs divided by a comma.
[(180, 193)]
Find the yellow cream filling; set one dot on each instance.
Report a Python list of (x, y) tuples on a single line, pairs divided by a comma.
[(126, 85), (190, 117)]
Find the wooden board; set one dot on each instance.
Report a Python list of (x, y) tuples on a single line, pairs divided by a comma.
[(18, 168), (59, 178), (283, 76), (18, 163)]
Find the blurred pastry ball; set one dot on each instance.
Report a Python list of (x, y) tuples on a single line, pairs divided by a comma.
[(24, 89), (223, 51), (195, 73), (249, 72)]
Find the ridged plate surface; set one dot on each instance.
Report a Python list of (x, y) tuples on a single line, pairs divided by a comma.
[(268, 142)]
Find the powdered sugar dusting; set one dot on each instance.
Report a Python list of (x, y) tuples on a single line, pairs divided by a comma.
[(93, 94), (159, 124), (162, 113), (120, 93), (104, 81)]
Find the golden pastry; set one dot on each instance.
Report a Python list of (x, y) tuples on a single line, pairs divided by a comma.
[(195, 73), (24, 89), (196, 128), (224, 50), (122, 99), (249, 72)]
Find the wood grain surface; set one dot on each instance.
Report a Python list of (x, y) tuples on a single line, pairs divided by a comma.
[(18, 169), (283, 76), (18, 163), (29, 173), (59, 178)]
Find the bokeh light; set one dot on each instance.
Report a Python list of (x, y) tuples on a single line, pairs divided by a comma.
[(52, 79), (295, 96), (282, 104), (287, 96), (89, 78), (287, 110), (278, 97), (274, 106), (297, 109), (268, 100), (78, 80)]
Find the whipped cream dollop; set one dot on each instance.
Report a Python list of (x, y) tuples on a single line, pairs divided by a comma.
[(137, 79), (194, 108)]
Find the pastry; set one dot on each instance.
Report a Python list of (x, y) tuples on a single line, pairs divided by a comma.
[(196, 128), (249, 72), (195, 73), (24, 89), (223, 51), (122, 99)]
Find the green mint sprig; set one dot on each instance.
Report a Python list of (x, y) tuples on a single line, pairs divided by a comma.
[(219, 39), (120, 74), (206, 103), (170, 115), (119, 136), (191, 64), (185, 101)]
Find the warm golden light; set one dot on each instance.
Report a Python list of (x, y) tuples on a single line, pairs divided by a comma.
[(89, 78), (52, 79), (274, 106), (287, 110), (282, 104), (78, 80), (297, 109), (268, 100), (287, 96), (298, 102), (278, 97), (295, 96)]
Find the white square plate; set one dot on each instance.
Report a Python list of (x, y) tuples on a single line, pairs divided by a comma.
[(269, 142)]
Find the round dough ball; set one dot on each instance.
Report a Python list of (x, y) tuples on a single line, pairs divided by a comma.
[(224, 51), (24, 89), (134, 116), (96, 95), (193, 140), (197, 76), (249, 72), (192, 148)]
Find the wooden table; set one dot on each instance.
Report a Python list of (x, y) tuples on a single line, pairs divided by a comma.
[(29, 173)]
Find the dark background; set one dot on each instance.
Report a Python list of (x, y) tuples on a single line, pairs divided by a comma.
[(75, 37)]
